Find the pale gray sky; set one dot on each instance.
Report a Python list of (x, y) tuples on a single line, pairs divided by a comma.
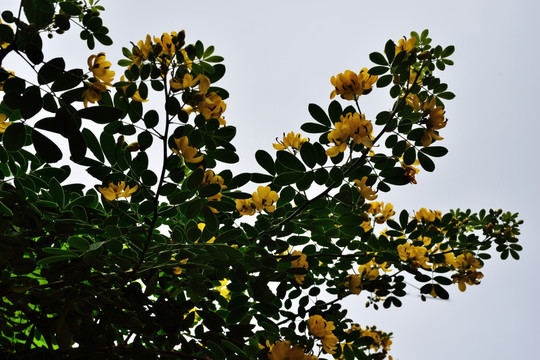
[(280, 56)]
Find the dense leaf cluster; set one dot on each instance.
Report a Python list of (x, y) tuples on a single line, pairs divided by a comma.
[(169, 267)]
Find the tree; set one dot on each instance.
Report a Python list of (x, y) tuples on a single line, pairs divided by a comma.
[(170, 254)]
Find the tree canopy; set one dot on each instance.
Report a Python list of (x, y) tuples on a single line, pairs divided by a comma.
[(168, 253)]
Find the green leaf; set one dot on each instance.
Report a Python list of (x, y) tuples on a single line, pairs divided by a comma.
[(287, 178), (193, 208), (32, 102), (78, 243), (435, 151), (77, 147), (70, 8), (101, 114), (390, 50), (378, 58), (318, 114), (210, 190), (426, 163), (14, 136), (384, 80), (290, 161), (449, 50), (308, 154), (4, 210), (51, 70), (409, 157), (55, 259), (446, 95), (314, 128), (265, 160), (225, 155), (6, 34), (68, 80), (93, 144), (378, 70), (57, 192)]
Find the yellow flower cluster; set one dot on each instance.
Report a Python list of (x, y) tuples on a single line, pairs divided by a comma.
[(113, 192), (187, 152), (415, 255), (351, 125), (282, 350), (301, 262), (322, 330), (366, 191), (264, 198), (212, 107), (467, 265), (292, 140), (381, 211), (350, 85), (425, 215), (102, 78), (435, 117)]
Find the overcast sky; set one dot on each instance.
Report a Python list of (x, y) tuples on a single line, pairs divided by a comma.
[(280, 56)]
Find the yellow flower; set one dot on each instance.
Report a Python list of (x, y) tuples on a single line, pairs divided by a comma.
[(212, 107), (167, 47), (142, 51), (470, 278), (177, 270), (301, 262), (245, 206), (358, 128), (366, 191), (416, 255), (222, 288), (354, 283), (329, 343), (210, 178), (3, 123), (188, 81), (187, 61), (413, 101), (467, 262), (265, 198), (187, 152), (290, 140), (113, 192), (201, 227), (340, 138), (93, 92), (100, 68), (319, 327), (404, 44), (350, 85), (436, 121), (427, 215), (282, 350)]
